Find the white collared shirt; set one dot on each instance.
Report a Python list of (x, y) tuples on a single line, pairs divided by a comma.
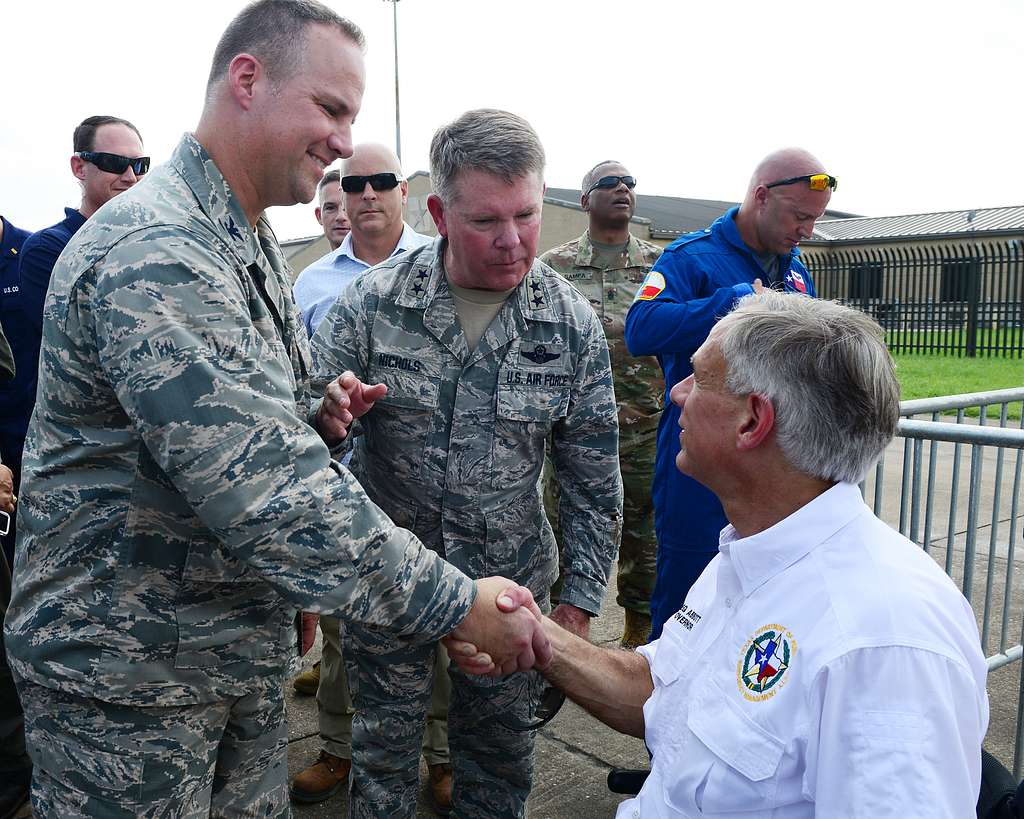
[(320, 284), (824, 667)]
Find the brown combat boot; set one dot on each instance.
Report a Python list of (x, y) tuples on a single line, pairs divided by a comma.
[(322, 779), (440, 791), (638, 627), (308, 681)]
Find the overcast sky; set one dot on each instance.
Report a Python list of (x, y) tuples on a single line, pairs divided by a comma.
[(915, 106)]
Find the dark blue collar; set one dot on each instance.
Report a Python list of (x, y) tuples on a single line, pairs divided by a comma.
[(73, 219), (726, 223)]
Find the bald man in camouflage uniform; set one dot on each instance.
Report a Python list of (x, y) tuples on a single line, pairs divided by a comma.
[(455, 449), (607, 264), (178, 504)]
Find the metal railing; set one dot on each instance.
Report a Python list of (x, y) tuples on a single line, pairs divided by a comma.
[(964, 299), (933, 513)]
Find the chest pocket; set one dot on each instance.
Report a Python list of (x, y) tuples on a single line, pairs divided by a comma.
[(529, 402), (398, 426), (743, 758)]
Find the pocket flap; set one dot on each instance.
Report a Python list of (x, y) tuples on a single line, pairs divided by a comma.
[(731, 735)]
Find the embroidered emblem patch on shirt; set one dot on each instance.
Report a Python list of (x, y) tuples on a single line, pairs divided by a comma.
[(764, 661), (540, 354), (796, 281), (652, 287)]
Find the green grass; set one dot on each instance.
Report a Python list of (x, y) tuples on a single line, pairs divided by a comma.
[(927, 376)]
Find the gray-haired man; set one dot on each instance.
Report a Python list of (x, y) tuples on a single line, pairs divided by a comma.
[(179, 504), (485, 353), (822, 664)]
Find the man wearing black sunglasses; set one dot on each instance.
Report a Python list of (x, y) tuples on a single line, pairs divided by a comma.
[(375, 193), (694, 283), (100, 137), (607, 264)]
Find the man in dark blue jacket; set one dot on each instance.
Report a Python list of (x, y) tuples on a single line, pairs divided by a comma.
[(15, 403), (694, 283), (106, 161)]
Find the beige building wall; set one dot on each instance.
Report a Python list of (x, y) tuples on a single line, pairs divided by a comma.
[(301, 253), (912, 267)]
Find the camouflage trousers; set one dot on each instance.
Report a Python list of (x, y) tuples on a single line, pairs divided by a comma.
[(638, 550), (492, 765), (99, 759), (334, 701)]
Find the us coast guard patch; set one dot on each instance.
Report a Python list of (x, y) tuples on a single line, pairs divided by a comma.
[(652, 287), (764, 662)]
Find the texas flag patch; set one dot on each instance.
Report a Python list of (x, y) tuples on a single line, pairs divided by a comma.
[(652, 287), (796, 281)]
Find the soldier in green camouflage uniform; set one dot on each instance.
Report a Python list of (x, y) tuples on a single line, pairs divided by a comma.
[(455, 449), (607, 264), (177, 506)]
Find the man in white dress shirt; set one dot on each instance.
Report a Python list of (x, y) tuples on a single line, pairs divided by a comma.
[(822, 665)]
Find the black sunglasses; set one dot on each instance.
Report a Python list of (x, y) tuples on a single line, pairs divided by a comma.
[(608, 182), (378, 181), (115, 163), (815, 181)]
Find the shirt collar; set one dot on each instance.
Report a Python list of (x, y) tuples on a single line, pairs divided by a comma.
[(758, 558), (426, 278), (215, 197), (345, 249), (726, 223), (74, 219)]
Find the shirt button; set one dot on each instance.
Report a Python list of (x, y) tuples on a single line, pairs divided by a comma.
[(728, 602), (636, 814)]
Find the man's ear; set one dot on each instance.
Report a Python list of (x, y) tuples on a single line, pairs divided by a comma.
[(404, 185), (436, 208), (757, 424), (319, 219), (585, 201), (244, 74), (78, 167)]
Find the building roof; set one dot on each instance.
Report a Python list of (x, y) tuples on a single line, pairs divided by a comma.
[(668, 216), (962, 224)]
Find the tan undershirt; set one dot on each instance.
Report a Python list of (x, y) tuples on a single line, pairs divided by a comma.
[(476, 309)]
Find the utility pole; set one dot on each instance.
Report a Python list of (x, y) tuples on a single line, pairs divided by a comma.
[(398, 118)]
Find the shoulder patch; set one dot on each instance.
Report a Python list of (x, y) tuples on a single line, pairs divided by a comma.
[(652, 287)]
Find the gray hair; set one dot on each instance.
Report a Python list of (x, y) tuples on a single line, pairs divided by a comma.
[(828, 374), (274, 31), (590, 177), (488, 140), (329, 177)]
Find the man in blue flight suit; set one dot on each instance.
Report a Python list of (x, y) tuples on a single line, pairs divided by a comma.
[(694, 284), (15, 403)]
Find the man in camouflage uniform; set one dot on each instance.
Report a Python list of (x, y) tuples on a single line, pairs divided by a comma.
[(485, 354), (178, 507), (607, 264)]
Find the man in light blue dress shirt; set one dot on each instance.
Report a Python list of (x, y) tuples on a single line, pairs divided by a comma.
[(375, 194)]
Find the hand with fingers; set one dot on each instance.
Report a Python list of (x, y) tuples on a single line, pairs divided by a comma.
[(345, 399), (502, 633)]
